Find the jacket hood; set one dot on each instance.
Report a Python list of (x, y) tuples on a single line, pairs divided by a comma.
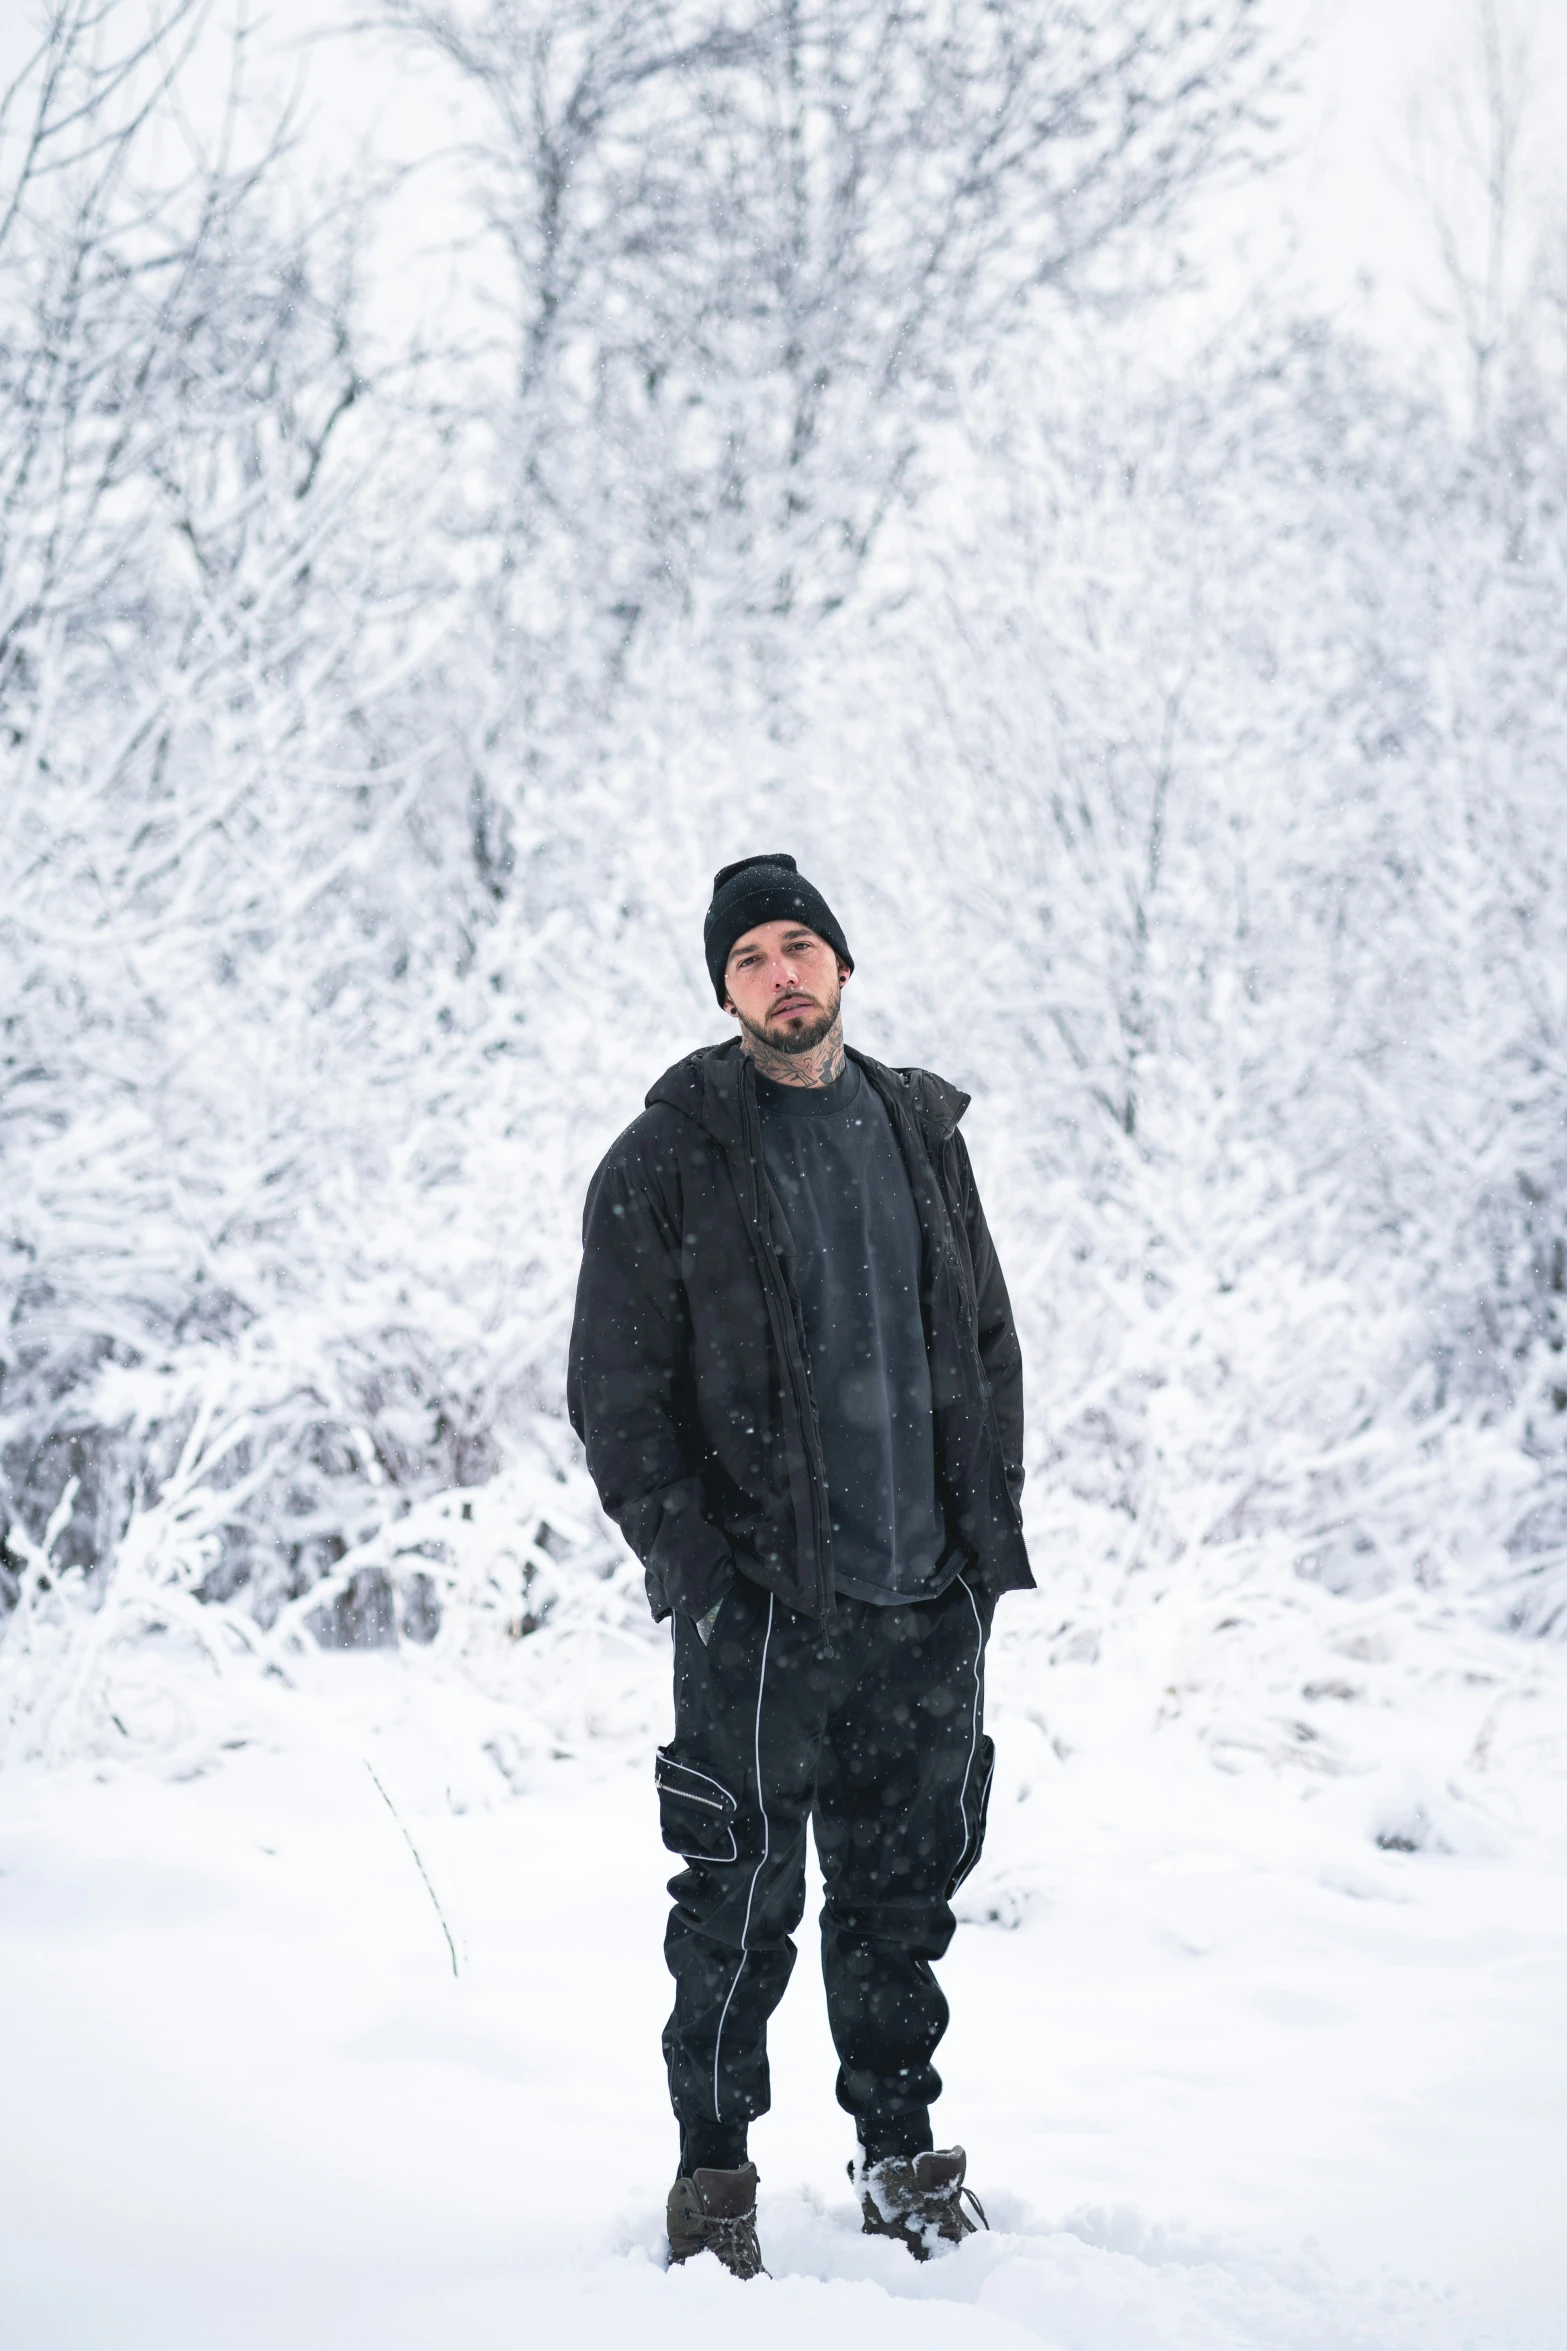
[(706, 1087)]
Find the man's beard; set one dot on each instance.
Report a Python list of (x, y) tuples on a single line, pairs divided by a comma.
[(796, 1040)]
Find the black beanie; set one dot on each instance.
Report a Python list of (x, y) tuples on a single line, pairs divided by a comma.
[(763, 889)]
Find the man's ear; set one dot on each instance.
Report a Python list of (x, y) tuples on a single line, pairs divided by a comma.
[(845, 972)]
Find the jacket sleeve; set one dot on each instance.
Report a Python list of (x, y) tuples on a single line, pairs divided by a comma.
[(628, 1390), (999, 1350)]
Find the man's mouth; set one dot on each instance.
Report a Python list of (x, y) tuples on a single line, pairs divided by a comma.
[(794, 1004)]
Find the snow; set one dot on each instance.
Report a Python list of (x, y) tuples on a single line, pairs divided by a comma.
[(1232, 2075)]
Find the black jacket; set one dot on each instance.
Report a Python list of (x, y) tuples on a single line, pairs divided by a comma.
[(688, 1379)]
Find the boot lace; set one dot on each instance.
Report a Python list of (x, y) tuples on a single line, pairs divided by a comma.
[(735, 2242)]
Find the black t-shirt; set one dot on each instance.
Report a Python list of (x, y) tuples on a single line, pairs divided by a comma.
[(834, 1163)]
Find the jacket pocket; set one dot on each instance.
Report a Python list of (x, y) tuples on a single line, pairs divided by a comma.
[(696, 1813), (976, 1811)]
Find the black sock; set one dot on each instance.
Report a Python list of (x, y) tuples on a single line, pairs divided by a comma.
[(898, 2134), (711, 2146)]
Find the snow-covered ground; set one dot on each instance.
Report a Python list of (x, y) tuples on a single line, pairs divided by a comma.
[(1232, 2076)]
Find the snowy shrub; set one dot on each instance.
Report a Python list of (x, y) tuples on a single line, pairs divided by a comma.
[(1182, 749)]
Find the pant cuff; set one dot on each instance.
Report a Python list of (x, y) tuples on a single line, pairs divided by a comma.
[(712, 2146), (895, 2134)]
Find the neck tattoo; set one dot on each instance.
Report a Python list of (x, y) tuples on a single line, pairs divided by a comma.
[(818, 1065)]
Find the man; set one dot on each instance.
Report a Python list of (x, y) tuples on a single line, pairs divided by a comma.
[(795, 1372)]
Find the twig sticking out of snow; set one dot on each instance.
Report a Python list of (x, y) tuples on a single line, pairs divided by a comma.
[(418, 1864)]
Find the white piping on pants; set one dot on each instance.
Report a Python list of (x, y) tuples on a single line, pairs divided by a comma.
[(767, 1838), (973, 1744)]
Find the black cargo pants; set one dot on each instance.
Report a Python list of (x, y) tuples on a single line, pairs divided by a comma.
[(870, 1726)]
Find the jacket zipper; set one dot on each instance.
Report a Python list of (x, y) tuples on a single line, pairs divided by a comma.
[(971, 1333), (936, 1162), (794, 1352)]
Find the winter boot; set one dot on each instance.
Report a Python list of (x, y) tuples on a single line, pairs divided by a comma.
[(715, 2212), (917, 2198)]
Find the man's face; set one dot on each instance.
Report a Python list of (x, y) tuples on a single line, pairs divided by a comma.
[(785, 984)]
